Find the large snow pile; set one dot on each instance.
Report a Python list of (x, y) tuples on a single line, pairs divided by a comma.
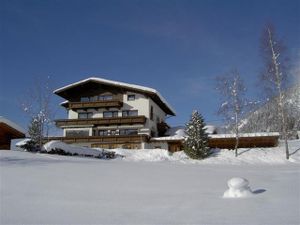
[(71, 149), (238, 188)]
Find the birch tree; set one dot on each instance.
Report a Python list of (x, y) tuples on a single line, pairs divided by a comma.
[(36, 103), (232, 92), (274, 76)]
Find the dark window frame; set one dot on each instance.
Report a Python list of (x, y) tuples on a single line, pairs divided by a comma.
[(131, 97), (114, 114), (85, 115), (151, 113), (105, 97), (126, 113), (128, 131), (77, 133)]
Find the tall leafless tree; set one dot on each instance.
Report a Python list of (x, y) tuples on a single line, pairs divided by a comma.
[(232, 92), (36, 103), (274, 76)]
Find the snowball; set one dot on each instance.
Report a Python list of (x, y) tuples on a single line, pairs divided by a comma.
[(238, 188)]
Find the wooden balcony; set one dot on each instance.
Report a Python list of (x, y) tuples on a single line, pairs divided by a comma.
[(102, 121), (96, 104), (115, 139)]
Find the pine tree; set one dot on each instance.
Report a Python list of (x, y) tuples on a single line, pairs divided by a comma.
[(196, 144), (35, 133)]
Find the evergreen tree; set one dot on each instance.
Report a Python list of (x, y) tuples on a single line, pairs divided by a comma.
[(35, 133), (196, 144)]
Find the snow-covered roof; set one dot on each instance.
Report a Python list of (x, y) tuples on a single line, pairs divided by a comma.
[(210, 129), (12, 124), (168, 138), (260, 134), (118, 84)]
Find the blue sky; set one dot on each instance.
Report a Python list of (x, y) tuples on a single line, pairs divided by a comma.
[(176, 47)]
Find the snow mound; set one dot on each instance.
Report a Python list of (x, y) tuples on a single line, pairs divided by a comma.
[(238, 188), (151, 155), (83, 151), (22, 142)]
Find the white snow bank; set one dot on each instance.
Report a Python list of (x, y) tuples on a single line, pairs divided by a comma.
[(253, 156), (151, 155), (238, 188), (84, 151)]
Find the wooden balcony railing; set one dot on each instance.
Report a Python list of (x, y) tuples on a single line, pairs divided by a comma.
[(116, 139), (96, 104), (102, 121)]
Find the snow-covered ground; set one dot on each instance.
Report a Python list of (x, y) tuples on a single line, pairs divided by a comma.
[(52, 189)]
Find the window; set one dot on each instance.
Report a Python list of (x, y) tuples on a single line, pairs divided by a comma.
[(109, 114), (129, 113), (151, 113), (157, 120), (105, 97), (130, 97), (84, 99), (113, 132), (102, 132), (77, 133), (94, 98), (128, 132), (85, 115)]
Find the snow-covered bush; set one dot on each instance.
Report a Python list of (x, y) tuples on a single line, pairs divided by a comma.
[(196, 143), (60, 148), (28, 145)]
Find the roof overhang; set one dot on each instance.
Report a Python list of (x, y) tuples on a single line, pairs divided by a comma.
[(66, 91), (10, 129)]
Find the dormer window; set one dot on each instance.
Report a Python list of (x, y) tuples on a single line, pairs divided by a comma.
[(130, 97)]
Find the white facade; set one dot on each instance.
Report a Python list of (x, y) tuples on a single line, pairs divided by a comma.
[(141, 103), (127, 110)]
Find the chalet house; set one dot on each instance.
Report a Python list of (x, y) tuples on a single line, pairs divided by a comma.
[(8, 131), (110, 114)]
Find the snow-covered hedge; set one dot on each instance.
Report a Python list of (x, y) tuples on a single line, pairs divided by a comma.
[(58, 147)]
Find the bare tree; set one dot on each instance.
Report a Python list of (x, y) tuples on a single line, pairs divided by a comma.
[(232, 91), (36, 103), (274, 77)]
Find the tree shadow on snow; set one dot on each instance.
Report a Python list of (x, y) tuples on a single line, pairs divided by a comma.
[(292, 153), (215, 152), (259, 191), (242, 152)]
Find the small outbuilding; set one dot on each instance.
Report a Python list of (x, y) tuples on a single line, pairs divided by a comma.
[(8, 131)]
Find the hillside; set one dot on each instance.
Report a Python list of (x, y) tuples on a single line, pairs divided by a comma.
[(265, 118)]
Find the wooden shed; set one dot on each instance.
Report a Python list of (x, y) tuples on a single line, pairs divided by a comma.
[(8, 131), (246, 140)]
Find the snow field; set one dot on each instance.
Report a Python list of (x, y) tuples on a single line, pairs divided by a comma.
[(150, 187), (52, 189)]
